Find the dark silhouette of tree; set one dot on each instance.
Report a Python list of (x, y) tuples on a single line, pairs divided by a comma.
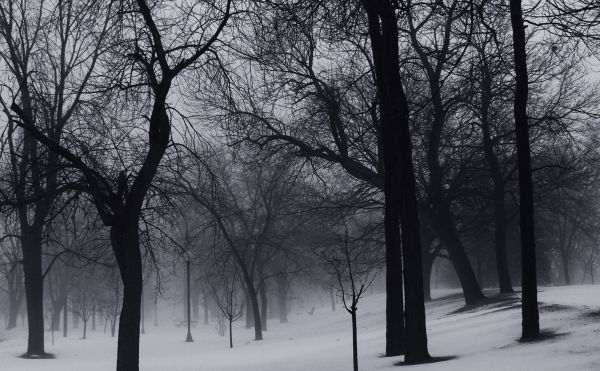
[(530, 323)]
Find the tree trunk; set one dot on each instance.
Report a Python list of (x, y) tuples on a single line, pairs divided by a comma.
[(31, 242), (255, 311), (84, 329), (399, 190), (458, 257), (530, 320), (263, 305), (354, 341), (125, 243), (230, 334)]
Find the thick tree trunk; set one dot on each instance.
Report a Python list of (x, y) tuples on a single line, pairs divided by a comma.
[(458, 257), (399, 187), (252, 295), (125, 243), (530, 320), (31, 241)]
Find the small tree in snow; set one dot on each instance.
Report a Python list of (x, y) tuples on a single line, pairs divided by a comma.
[(225, 294), (353, 263)]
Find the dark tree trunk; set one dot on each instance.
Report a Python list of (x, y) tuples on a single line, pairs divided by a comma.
[(399, 189), (125, 243), (255, 310), (34, 290), (354, 341), (458, 257), (84, 329), (230, 334), (530, 320)]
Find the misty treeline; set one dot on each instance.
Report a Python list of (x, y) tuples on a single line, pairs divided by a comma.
[(280, 144)]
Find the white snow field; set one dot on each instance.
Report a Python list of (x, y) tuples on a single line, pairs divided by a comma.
[(481, 339)]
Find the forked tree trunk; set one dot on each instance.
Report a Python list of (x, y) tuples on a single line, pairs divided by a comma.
[(530, 315), (399, 189)]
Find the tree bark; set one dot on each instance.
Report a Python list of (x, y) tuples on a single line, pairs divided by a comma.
[(34, 289), (125, 244), (530, 315)]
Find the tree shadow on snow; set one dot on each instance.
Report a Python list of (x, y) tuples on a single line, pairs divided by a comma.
[(544, 335), (37, 356), (501, 301), (430, 360)]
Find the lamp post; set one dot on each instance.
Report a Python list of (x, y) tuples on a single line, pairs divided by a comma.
[(188, 339)]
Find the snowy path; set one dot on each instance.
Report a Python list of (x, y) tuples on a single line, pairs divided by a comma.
[(483, 338)]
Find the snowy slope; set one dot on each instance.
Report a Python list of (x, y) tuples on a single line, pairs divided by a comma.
[(482, 338)]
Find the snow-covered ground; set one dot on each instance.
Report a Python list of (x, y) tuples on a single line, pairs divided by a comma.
[(483, 338)]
